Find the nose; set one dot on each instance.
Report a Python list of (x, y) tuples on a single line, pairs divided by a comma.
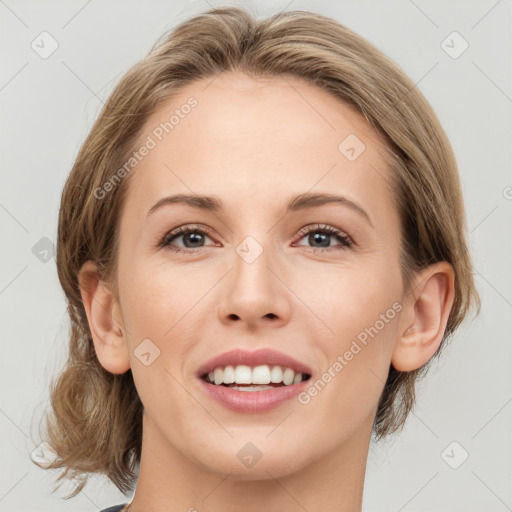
[(255, 295)]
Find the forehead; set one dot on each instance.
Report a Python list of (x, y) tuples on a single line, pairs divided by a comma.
[(241, 136)]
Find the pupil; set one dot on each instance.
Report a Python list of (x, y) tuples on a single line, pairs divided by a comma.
[(317, 237), (197, 237)]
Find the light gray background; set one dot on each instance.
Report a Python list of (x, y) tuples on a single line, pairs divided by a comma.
[(48, 106)]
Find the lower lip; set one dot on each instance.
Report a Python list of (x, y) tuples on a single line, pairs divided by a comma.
[(253, 401)]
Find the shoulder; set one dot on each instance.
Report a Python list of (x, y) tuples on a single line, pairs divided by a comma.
[(115, 508)]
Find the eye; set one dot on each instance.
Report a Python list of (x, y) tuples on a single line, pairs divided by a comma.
[(192, 235), (322, 233)]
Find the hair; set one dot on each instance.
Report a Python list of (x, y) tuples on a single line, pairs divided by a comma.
[(95, 420)]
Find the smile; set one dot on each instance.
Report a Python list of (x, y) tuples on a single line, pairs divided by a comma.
[(253, 382)]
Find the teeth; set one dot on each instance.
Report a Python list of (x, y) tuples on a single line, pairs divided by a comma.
[(218, 375), (276, 375), (261, 375), (288, 376), (243, 375), (229, 375)]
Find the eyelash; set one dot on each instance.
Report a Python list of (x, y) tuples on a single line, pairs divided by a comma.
[(344, 239)]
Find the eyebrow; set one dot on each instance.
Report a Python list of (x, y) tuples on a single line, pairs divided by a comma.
[(297, 203)]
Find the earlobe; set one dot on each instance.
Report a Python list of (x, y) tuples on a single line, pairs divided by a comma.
[(424, 317), (104, 319)]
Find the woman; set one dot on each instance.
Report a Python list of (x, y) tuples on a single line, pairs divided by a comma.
[(219, 358)]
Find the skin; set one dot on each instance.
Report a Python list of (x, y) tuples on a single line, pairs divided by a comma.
[(254, 144)]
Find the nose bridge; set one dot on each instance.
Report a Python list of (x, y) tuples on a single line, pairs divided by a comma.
[(251, 260), (254, 247), (254, 292)]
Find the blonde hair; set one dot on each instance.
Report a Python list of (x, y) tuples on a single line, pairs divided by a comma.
[(95, 421)]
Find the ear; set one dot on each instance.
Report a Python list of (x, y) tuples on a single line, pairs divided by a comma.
[(105, 320), (424, 317)]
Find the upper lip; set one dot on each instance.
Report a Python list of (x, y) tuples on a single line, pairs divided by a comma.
[(255, 358)]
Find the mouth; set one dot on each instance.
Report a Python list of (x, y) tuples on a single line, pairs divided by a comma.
[(253, 381)]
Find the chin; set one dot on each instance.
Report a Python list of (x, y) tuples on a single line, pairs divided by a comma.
[(247, 462)]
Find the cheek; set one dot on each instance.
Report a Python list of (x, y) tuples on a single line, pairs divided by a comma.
[(356, 361), (160, 308), (351, 298), (361, 309), (166, 306), (160, 296)]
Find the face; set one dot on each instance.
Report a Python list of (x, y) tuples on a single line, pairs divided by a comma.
[(319, 282)]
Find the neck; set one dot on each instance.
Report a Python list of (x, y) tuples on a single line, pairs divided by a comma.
[(170, 481)]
